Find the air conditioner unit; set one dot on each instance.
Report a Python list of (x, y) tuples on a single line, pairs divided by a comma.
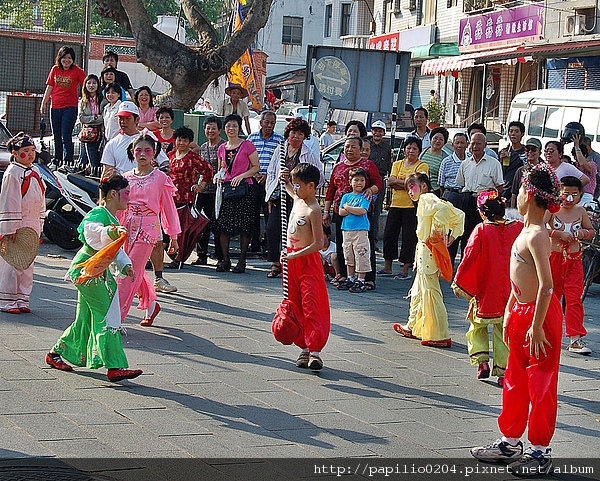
[(574, 25)]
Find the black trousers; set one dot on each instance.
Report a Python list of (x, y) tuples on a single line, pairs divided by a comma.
[(466, 202), (206, 202), (273, 229), (258, 196), (400, 219)]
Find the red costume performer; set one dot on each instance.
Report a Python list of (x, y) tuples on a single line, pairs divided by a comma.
[(308, 292), (567, 275), (530, 380), (484, 270), (489, 246)]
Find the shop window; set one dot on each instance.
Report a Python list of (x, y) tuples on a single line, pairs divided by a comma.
[(292, 31)]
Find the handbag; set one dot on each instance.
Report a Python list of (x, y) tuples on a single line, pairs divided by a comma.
[(89, 134), (231, 192)]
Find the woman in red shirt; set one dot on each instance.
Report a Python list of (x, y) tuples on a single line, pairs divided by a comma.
[(339, 184), (61, 87)]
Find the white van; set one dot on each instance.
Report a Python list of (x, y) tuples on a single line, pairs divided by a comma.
[(546, 112)]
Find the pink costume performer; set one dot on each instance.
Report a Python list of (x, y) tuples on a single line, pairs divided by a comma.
[(21, 205), (150, 196)]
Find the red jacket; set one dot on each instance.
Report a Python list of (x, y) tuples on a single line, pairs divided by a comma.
[(484, 272)]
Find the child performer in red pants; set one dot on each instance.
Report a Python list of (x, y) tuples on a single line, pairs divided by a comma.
[(533, 331), (568, 227), (307, 289)]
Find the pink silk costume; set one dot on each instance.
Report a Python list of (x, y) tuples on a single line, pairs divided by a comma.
[(18, 209), (150, 196)]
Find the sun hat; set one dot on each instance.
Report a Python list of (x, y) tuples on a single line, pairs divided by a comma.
[(236, 87), (21, 253)]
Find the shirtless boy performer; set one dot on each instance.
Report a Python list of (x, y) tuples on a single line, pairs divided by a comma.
[(533, 332), (306, 284)]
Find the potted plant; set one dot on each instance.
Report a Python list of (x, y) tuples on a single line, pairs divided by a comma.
[(437, 112)]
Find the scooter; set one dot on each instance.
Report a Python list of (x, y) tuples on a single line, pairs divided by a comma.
[(78, 195)]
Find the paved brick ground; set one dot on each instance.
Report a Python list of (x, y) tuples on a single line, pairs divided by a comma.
[(216, 384)]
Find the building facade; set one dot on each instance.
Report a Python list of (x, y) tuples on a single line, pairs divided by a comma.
[(478, 54)]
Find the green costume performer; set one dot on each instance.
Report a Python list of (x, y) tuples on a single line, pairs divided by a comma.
[(94, 339)]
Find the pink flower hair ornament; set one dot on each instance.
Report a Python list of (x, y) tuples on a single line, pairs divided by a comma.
[(485, 196), (552, 198)]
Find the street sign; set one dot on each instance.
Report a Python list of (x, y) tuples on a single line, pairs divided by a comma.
[(357, 79), (331, 77)]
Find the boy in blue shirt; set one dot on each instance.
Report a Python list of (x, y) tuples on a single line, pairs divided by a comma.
[(355, 229)]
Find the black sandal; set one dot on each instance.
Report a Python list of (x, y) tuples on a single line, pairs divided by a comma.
[(223, 266), (274, 272), (240, 268)]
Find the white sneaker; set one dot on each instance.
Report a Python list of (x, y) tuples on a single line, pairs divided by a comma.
[(500, 451), (162, 285), (578, 347)]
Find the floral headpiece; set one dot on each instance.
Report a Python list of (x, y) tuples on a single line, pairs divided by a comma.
[(485, 196), (552, 198)]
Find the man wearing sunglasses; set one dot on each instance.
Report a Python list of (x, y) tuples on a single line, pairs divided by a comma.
[(533, 151)]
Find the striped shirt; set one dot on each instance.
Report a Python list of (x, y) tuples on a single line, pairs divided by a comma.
[(448, 172), (265, 148)]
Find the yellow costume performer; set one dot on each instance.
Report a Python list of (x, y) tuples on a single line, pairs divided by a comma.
[(428, 319)]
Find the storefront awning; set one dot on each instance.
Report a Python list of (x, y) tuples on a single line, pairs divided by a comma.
[(452, 64), (421, 52)]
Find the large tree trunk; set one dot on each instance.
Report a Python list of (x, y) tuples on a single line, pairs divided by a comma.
[(189, 70)]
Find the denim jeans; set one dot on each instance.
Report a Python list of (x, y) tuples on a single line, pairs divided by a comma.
[(63, 123), (92, 153)]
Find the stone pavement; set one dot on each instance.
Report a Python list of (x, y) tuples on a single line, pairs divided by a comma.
[(216, 384)]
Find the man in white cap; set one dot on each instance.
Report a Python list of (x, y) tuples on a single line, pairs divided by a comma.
[(235, 104), (116, 161), (114, 158), (381, 156), (207, 106)]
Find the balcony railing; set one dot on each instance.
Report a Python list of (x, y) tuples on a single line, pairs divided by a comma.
[(471, 6)]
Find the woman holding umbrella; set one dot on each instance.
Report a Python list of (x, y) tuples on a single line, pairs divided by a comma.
[(190, 173)]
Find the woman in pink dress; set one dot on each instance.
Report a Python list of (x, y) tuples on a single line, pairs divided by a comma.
[(151, 194), (143, 99)]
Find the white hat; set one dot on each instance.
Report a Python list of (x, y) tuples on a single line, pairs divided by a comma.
[(378, 124), (127, 109), (206, 100)]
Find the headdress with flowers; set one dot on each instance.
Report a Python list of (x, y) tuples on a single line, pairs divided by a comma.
[(552, 198), (485, 196)]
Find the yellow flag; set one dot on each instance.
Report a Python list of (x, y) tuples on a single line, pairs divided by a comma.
[(242, 71)]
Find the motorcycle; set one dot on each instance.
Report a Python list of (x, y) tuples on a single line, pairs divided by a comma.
[(76, 196)]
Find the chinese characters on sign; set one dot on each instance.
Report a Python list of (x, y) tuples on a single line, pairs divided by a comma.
[(331, 77), (385, 42), (517, 23)]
